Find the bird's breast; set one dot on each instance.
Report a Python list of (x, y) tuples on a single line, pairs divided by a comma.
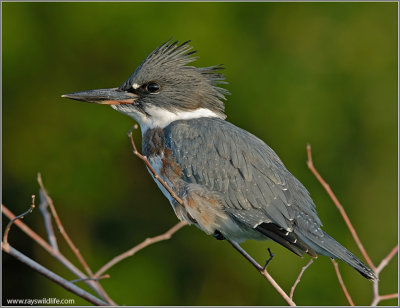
[(162, 161), (160, 156)]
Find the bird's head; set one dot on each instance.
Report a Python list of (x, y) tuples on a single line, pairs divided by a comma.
[(164, 88)]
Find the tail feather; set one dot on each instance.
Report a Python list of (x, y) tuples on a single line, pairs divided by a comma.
[(287, 239), (301, 241), (328, 246)]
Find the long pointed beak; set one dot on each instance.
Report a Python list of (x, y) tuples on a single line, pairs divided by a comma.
[(113, 96)]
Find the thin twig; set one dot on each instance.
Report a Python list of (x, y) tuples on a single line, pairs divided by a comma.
[(51, 275), (342, 285), (380, 298), (7, 230), (246, 255), (389, 296), (339, 207), (377, 298), (303, 269), (278, 288), (32, 234), (44, 205), (263, 272), (56, 254), (61, 227), (387, 259), (271, 256), (69, 241), (86, 279), (149, 241)]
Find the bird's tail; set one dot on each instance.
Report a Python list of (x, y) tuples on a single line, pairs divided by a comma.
[(331, 248)]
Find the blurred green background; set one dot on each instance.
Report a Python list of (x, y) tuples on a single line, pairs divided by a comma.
[(324, 73)]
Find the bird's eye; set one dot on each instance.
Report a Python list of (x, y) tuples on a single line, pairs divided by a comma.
[(153, 87)]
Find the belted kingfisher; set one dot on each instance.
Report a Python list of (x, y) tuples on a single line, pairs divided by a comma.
[(232, 184)]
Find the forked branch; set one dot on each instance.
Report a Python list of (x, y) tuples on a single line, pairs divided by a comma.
[(335, 200), (147, 242), (6, 247), (303, 269), (92, 279), (52, 248), (51, 275), (376, 297), (47, 202)]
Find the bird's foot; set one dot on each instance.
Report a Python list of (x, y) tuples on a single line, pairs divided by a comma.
[(218, 235), (271, 255)]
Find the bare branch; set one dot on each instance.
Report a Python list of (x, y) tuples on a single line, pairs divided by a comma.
[(387, 259), (56, 254), (246, 255), (342, 285), (51, 275), (7, 230), (44, 205), (278, 288), (61, 227), (86, 279), (76, 251), (263, 272), (149, 241), (377, 298), (32, 234), (339, 207), (303, 269), (388, 296)]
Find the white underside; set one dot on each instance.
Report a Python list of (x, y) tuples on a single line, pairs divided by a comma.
[(161, 118)]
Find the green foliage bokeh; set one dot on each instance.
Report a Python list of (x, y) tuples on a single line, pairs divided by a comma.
[(323, 73)]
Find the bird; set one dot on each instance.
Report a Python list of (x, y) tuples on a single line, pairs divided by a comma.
[(232, 184)]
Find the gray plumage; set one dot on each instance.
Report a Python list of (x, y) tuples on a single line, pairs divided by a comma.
[(252, 183), (231, 183), (188, 88)]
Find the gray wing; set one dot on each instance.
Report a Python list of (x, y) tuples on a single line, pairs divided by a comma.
[(254, 185)]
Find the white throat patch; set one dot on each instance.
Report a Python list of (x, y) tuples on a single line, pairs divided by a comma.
[(162, 118)]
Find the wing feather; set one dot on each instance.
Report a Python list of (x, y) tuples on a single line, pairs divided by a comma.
[(253, 184)]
